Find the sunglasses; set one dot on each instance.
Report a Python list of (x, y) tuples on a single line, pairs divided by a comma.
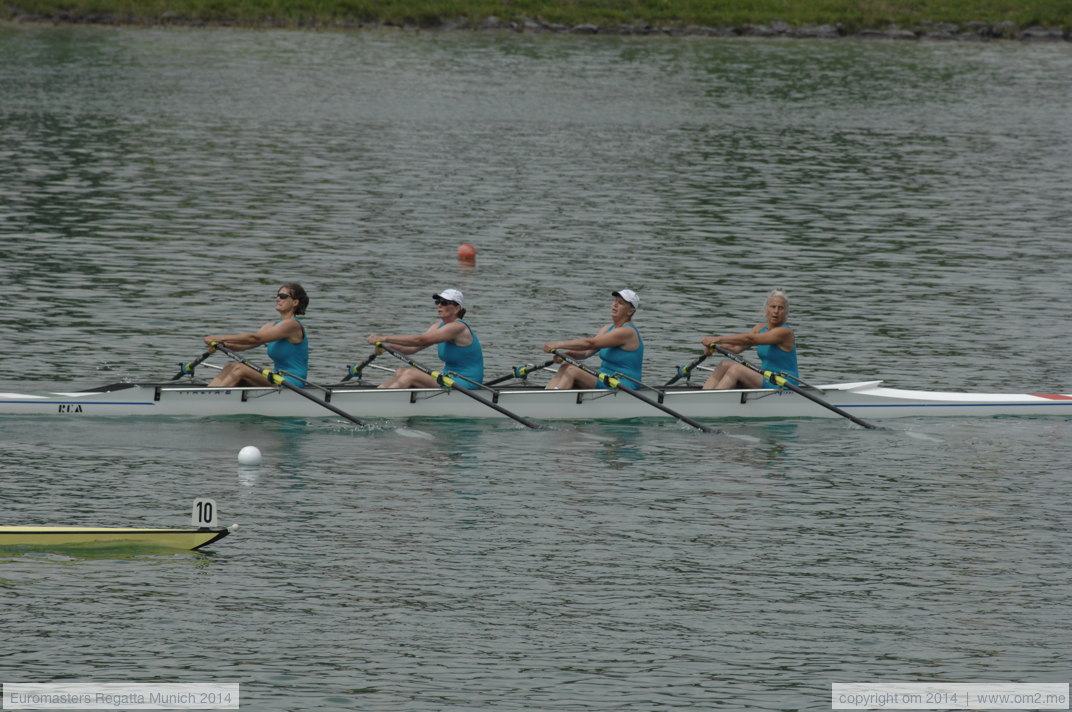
[(445, 302), (280, 295)]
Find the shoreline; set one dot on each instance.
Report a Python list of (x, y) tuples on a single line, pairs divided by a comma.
[(925, 30)]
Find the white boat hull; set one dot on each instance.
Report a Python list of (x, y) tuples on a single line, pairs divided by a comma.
[(867, 400)]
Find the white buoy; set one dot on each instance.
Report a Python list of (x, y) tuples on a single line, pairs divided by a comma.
[(249, 455)]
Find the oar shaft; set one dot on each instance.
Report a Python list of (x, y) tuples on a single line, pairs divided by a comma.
[(278, 380), (445, 380), (519, 372), (782, 381), (188, 368), (352, 371), (685, 371), (617, 384)]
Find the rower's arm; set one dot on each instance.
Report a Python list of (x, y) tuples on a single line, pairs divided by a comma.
[(288, 329), (606, 338), (412, 343), (780, 336)]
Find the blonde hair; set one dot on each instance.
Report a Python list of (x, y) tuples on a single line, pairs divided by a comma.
[(777, 293)]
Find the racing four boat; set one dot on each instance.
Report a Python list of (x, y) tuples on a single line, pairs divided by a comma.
[(866, 399)]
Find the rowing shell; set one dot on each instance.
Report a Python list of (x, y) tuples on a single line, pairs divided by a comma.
[(866, 399), (84, 538)]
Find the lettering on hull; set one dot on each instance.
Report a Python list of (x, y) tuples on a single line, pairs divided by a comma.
[(70, 408)]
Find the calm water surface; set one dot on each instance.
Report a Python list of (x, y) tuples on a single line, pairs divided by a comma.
[(157, 185)]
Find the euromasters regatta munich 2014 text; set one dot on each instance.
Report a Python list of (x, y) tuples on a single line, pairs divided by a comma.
[(124, 699)]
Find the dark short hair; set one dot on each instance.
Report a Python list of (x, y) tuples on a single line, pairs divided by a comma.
[(298, 292)]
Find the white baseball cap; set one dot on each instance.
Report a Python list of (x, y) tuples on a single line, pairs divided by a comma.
[(628, 295), (451, 295)]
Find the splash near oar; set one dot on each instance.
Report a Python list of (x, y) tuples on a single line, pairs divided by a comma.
[(616, 384), (520, 373), (445, 380), (780, 380), (277, 379)]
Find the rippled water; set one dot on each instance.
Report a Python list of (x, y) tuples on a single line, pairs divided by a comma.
[(157, 185)]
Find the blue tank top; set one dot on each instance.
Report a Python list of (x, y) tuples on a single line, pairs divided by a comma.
[(618, 360), (291, 357), (465, 361), (773, 358)]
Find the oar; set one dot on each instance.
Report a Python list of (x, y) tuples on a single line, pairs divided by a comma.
[(445, 380), (779, 380), (519, 372), (186, 368), (278, 380), (686, 371), (352, 371), (615, 383)]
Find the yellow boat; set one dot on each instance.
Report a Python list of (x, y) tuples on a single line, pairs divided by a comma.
[(86, 538)]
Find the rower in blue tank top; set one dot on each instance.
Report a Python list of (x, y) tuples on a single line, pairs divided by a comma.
[(775, 343), (617, 360), (287, 341), (458, 346), (292, 358), (467, 361), (618, 344), (773, 358)]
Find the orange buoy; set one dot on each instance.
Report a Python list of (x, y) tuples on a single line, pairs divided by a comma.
[(467, 253)]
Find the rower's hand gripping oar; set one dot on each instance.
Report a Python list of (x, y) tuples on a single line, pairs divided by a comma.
[(186, 368), (520, 372), (278, 380), (445, 380), (780, 380), (686, 370), (617, 384)]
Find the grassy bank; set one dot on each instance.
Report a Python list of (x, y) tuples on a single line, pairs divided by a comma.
[(1000, 17)]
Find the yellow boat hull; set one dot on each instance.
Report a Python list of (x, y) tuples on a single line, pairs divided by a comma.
[(51, 538)]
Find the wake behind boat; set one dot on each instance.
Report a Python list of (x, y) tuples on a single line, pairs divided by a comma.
[(866, 399)]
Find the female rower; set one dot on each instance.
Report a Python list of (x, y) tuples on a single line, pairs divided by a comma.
[(459, 346), (288, 344), (774, 341), (618, 343)]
